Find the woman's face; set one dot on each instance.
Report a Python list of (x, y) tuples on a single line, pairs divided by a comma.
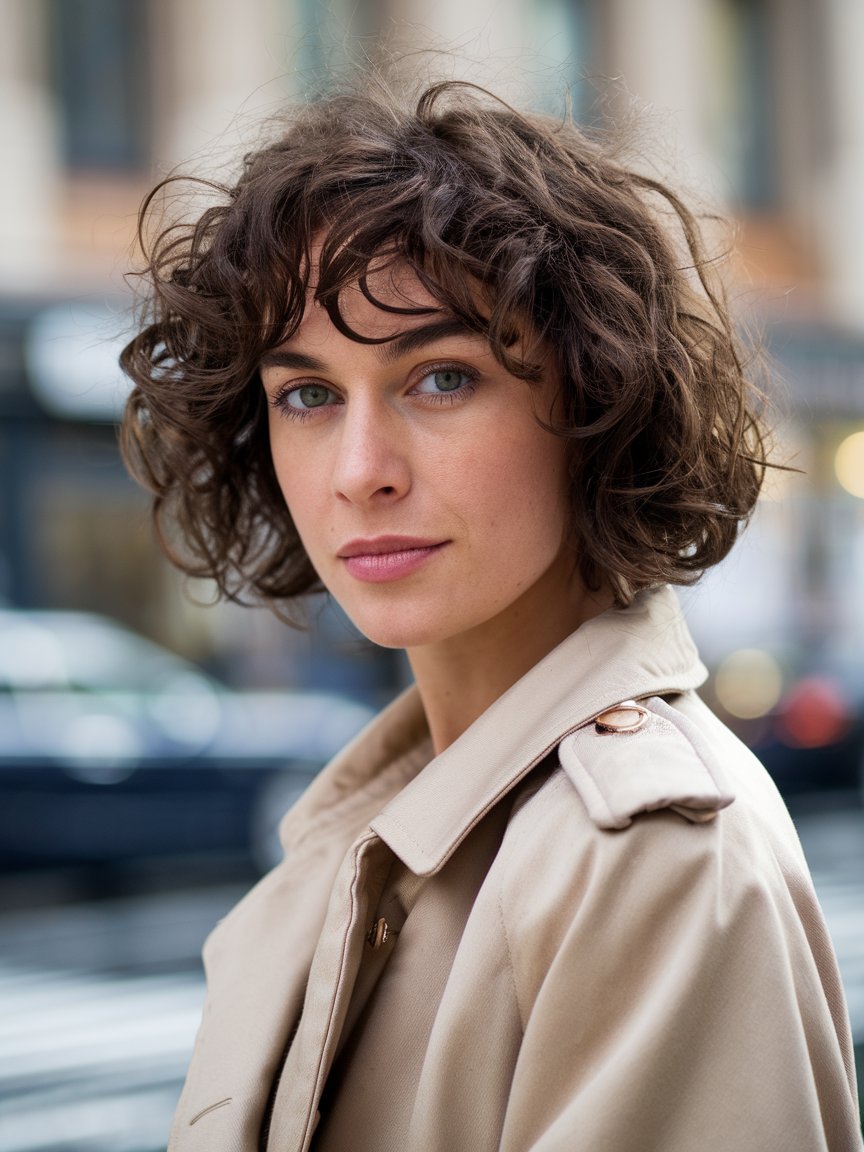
[(428, 497)]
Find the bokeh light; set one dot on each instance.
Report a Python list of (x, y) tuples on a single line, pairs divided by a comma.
[(849, 464), (748, 683), (814, 714)]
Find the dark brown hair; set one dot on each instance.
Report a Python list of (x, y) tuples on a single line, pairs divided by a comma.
[(606, 264)]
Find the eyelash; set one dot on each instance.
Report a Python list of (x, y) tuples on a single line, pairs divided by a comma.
[(280, 398), (455, 396), (280, 401)]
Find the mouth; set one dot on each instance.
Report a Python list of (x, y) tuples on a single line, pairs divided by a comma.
[(383, 558)]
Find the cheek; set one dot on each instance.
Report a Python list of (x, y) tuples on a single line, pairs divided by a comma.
[(296, 482), (532, 485)]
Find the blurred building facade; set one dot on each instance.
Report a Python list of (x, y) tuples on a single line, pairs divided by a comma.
[(757, 104)]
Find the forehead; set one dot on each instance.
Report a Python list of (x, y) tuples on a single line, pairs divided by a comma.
[(389, 299), (388, 306), (393, 311), (388, 303)]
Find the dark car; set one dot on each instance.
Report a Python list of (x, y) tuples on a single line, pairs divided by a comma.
[(112, 748), (811, 737)]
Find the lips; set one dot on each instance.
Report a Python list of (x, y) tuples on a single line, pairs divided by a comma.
[(381, 545), (383, 558)]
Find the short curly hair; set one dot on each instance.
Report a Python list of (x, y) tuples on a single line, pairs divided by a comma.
[(666, 449)]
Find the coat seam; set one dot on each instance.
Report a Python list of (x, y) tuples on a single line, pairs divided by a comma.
[(511, 964), (511, 967), (210, 1108)]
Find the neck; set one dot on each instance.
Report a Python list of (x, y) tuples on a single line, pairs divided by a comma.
[(460, 677)]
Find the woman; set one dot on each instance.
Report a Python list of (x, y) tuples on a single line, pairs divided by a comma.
[(449, 363)]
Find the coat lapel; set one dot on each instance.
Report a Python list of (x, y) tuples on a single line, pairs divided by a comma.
[(257, 964)]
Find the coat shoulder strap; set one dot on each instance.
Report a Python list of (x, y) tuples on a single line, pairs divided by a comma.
[(641, 757)]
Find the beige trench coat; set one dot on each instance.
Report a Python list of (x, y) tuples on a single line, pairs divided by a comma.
[(559, 936)]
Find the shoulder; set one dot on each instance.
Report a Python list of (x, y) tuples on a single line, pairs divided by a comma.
[(663, 757), (601, 908), (644, 822), (666, 951)]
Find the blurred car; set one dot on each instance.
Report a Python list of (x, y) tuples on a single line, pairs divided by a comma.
[(112, 748), (802, 716), (815, 742)]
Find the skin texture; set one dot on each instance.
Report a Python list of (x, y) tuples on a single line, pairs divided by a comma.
[(437, 443)]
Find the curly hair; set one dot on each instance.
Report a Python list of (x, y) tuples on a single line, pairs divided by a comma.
[(607, 265)]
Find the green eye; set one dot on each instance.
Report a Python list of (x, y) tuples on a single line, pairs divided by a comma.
[(448, 380), (443, 380), (309, 396)]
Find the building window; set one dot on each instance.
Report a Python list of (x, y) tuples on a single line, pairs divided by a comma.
[(99, 53), (560, 34), (332, 35), (746, 106)]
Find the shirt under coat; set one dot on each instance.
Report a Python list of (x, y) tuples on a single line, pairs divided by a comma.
[(596, 940)]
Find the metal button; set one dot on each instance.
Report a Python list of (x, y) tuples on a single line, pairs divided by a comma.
[(628, 716), (380, 933)]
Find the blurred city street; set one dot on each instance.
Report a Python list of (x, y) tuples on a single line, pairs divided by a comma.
[(100, 1000), (833, 841), (99, 1004)]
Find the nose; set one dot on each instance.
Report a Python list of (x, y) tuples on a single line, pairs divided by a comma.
[(373, 463)]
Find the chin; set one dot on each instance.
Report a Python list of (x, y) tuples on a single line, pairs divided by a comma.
[(394, 634), (394, 628)]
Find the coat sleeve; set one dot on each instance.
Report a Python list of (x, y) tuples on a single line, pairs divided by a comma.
[(678, 993)]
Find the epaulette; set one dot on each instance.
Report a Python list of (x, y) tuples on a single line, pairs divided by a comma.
[(640, 757)]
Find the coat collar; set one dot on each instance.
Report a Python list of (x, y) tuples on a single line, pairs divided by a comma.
[(642, 650)]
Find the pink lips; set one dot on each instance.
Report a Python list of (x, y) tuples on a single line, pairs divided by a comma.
[(384, 558)]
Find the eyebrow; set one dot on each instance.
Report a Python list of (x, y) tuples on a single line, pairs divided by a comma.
[(389, 351)]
